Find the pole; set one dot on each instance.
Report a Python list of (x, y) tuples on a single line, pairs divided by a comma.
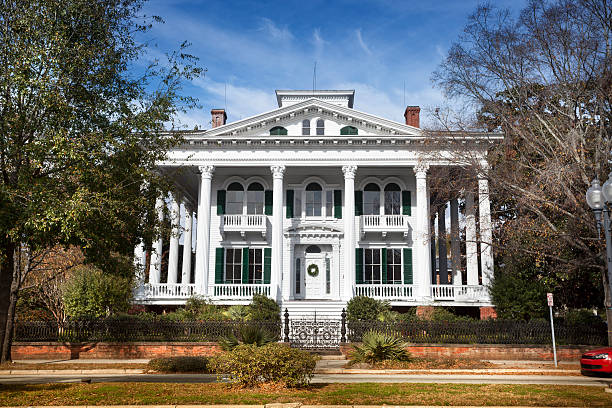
[(552, 330), (608, 235)]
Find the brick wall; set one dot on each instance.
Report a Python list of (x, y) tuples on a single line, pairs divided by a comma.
[(491, 351), (56, 350)]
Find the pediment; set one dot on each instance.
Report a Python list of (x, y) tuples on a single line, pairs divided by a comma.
[(313, 229), (290, 115)]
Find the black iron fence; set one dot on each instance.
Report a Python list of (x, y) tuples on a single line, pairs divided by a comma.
[(114, 330), (485, 332)]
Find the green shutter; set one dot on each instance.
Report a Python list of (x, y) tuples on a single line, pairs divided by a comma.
[(406, 203), (358, 265), (358, 203), (268, 202), (219, 264), (408, 266), (338, 204), (384, 265), (245, 265), (289, 203), (220, 202), (267, 264)]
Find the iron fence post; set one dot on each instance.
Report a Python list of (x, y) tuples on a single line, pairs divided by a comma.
[(343, 327), (286, 339)]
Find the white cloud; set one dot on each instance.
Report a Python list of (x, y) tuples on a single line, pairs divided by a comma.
[(275, 32), (362, 43)]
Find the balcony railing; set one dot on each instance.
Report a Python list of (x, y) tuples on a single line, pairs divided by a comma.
[(165, 291), (238, 291), (386, 292), (465, 293), (244, 223), (385, 224)]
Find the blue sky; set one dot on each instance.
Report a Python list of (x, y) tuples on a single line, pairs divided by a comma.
[(252, 48)]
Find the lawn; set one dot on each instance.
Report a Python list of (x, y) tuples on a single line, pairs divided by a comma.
[(362, 394)]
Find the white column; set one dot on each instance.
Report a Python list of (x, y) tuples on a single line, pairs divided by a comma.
[(277, 230), (175, 220), (349, 231), (486, 233), (455, 243), (203, 230), (288, 281), (187, 231), (156, 250), (471, 247), (421, 244)]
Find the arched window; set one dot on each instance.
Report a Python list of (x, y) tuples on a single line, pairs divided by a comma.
[(278, 131), (393, 199), (320, 127), (348, 130), (234, 199), (371, 200), (306, 127), (314, 200), (313, 249), (255, 199)]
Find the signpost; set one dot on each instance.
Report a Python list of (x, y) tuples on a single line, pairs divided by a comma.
[(549, 298)]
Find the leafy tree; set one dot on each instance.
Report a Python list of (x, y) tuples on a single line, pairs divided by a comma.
[(263, 308), (543, 78), (91, 294), (80, 133), (517, 297), (367, 308)]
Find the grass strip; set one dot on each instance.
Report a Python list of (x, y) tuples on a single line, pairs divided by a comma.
[(319, 394)]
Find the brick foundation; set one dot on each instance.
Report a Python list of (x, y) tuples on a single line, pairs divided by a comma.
[(491, 351), (487, 312), (425, 312), (72, 351)]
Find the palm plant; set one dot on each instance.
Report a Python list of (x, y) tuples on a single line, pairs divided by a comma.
[(379, 346), (247, 335)]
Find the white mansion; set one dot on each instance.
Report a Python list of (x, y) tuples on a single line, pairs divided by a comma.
[(312, 204)]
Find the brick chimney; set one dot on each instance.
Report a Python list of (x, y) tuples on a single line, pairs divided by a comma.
[(219, 117), (412, 116)]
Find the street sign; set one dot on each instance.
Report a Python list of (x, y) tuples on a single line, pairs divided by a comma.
[(549, 298)]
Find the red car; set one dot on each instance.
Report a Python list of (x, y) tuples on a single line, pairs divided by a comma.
[(597, 361)]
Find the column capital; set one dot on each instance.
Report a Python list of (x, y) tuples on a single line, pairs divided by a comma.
[(206, 170), (278, 170), (421, 169), (349, 171)]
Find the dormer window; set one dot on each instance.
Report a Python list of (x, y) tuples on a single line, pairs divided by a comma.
[(306, 127), (348, 130), (278, 131), (320, 127)]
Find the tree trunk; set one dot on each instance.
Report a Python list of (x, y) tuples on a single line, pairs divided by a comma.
[(7, 254), (10, 323)]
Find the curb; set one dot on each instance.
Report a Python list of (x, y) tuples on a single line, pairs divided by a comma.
[(271, 405), (71, 372), (502, 371)]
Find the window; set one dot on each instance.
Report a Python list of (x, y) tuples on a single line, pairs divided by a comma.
[(255, 265), (314, 200), (371, 199), (327, 276), (313, 249), (255, 199), (297, 207), (371, 266), (320, 127), (233, 265), (234, 199), (306, 127), (394, 265), (278, 131), (348, 130), (329, 203), (393, 199), (298, 277)]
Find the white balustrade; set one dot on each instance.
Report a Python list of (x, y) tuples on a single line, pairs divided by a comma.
[(469, 293), (386, 291), (244, 223), (152, 291), (385, 223), (238, 291)]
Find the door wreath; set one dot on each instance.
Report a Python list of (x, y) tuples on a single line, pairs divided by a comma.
[(313, 270)]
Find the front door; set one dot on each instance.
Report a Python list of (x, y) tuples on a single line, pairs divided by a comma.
[(314, 276)]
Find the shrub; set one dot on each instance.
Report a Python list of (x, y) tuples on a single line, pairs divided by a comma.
[(575, 317), (91, 293), (518, 297), (255, 335), (249, 365), (441, 314), (380, 346), (264, 308), (183, 364), (365, 308), (196, 308)]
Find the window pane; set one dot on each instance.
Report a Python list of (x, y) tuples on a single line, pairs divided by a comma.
[(233, 202), (306, 127), (298, 272), (313, 203), (320, 127), (255, 265), (297, 204), (255, 202), (371, 200), (233, 265), (329, 203)]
